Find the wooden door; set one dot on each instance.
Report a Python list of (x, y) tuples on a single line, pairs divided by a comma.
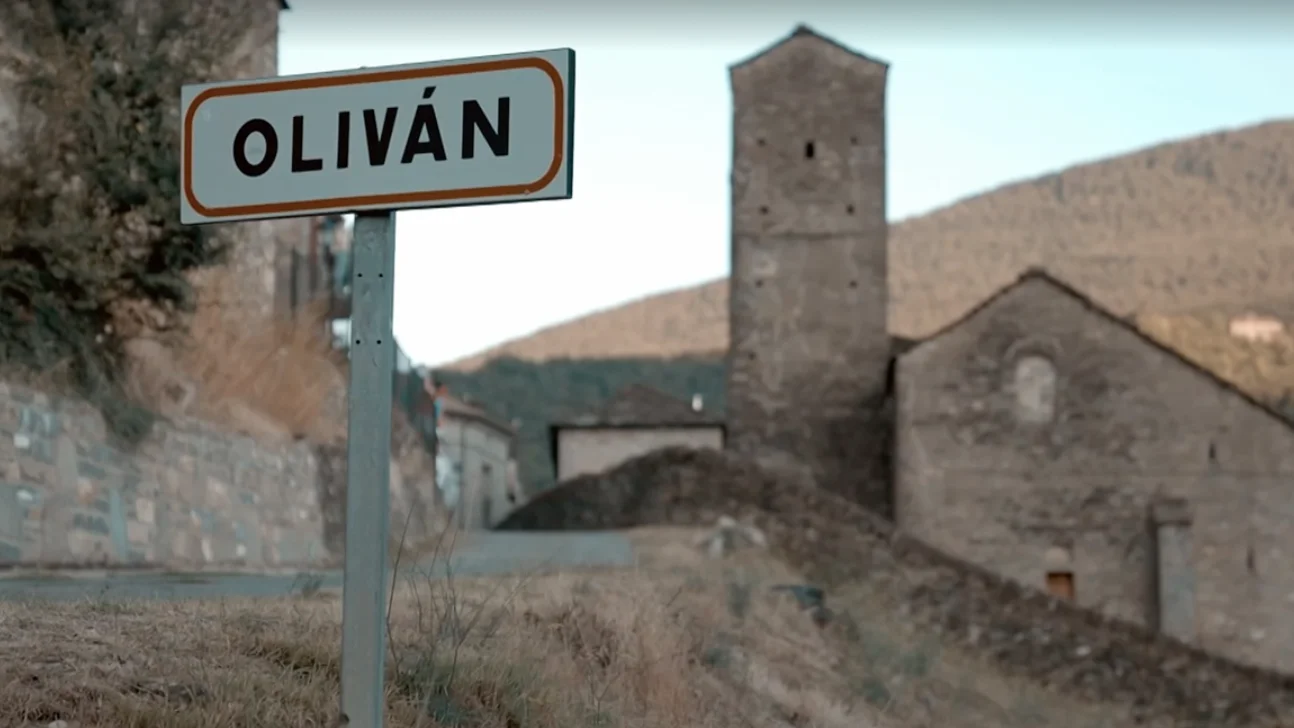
[(1060, 584)]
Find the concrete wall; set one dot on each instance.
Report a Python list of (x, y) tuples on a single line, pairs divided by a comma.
[(809, 346), (585, 451), (189, 495), (983, 471), (483, 457)]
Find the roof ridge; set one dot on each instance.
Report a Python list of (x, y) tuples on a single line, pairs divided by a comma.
[(803, 30)]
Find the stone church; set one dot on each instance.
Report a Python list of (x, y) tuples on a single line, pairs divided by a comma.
[(1039, 436)]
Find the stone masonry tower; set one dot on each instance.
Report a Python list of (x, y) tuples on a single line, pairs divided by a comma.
[(810, 348)]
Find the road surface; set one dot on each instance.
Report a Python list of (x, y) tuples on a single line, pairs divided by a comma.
[(486, 553)]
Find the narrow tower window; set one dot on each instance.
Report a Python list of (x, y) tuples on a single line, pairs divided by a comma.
[(808, 150)]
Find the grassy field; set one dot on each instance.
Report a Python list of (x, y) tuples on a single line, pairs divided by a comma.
[(681, 640)]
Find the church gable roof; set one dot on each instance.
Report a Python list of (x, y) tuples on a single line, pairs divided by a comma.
[(1031, 275)]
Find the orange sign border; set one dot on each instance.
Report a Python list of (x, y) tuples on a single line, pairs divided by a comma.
[(397, 199)]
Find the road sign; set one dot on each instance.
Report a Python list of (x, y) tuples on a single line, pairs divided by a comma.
[(474, 131), (449, 133)]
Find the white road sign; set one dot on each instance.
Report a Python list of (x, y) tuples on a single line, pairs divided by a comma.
[(473, 131)]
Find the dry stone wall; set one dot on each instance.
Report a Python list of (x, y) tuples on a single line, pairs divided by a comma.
[(190, 495), (1151, 678)]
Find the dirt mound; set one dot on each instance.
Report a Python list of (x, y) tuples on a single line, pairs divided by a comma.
[(1020, 631)]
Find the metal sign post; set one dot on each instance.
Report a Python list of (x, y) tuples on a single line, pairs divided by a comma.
[(368, 466), (497, 129)]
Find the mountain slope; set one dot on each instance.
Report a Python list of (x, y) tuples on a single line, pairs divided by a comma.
[(682, 322), (1198, 226)]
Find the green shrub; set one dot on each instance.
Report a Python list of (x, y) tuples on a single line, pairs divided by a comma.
[(91, 246)]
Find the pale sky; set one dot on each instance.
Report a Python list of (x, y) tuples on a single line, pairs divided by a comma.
[(975, 100)]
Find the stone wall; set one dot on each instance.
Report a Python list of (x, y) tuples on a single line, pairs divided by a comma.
[(189, 495), (1010, 469), (1147, 678), (417, 516), (809, 346)]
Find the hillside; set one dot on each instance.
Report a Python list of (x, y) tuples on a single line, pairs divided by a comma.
[(683, 322), (1198, 226)]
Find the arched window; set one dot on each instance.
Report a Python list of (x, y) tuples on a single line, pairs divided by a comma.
[(1035, 389)]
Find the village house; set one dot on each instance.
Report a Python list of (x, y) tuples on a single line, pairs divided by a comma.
[(476, 467), (637, 420)]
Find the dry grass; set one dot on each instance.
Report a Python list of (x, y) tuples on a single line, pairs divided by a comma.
[(1201, 224), (282, 370), (682, 640), (567, 650)]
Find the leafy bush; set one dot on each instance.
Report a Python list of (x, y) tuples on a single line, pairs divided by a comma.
[(91, 247)]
